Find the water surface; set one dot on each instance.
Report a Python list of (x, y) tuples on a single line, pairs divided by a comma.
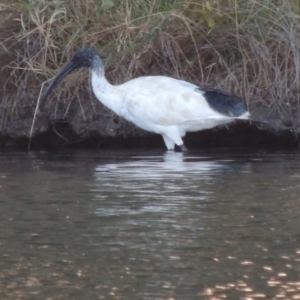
[(212, 224)]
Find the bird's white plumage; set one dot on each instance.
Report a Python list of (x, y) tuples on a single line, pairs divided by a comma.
[(160, 104)]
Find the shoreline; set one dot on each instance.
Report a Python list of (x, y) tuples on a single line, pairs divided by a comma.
[(94, 126), (243, 48)]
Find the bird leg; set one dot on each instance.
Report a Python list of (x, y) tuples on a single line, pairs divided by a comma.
[(183, 148), (169, 143)]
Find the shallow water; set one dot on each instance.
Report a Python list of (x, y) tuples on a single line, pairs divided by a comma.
[(211, 224)]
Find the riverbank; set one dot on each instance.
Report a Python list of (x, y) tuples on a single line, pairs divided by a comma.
[(94, 126), (249, 49)]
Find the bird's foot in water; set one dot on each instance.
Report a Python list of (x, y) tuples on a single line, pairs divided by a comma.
[(183, 148)]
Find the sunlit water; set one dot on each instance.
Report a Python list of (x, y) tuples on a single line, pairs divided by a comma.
[(222, 224)]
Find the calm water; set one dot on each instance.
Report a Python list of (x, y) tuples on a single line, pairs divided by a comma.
[(222, 224)]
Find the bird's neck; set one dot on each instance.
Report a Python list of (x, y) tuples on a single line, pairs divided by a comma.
[(105, 92)]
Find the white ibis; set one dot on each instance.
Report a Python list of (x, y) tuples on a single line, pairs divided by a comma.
[(159, 104)]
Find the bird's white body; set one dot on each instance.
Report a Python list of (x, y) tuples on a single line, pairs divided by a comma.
[(160, 104)]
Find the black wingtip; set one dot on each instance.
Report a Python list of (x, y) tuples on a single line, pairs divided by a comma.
[(224, 103)]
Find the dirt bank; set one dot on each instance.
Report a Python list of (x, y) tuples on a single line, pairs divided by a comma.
[(246, 48), (90, 124)]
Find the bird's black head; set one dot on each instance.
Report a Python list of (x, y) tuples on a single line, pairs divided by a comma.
[(85, 57)]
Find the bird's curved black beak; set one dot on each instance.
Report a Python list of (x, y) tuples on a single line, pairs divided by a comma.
[(68, 68)]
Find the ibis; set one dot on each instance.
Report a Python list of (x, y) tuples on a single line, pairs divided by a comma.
[(158, 104)]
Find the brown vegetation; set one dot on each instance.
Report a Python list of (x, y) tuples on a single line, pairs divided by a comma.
[(249, 48)]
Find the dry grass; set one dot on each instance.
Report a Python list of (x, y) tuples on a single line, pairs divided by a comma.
[(250, 48)]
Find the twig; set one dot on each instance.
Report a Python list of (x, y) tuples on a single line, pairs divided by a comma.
[(34, 116)]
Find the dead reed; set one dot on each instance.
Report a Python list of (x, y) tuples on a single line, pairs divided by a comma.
[(250, 48)]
